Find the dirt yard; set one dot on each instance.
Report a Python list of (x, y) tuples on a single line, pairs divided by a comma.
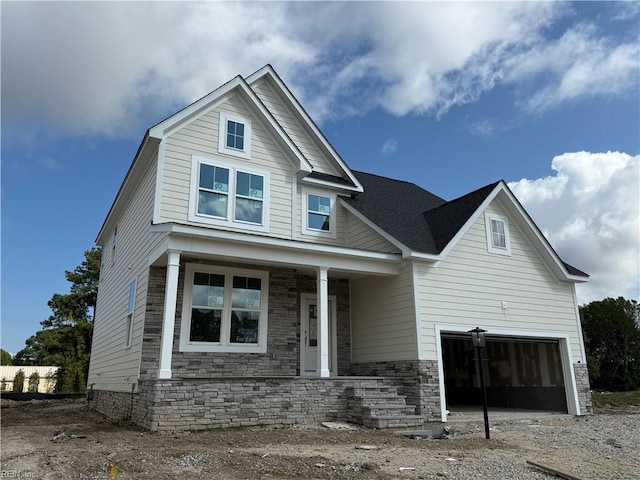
[(64, 439)]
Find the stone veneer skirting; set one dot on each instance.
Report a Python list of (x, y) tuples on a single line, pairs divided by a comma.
[(581, 373), (206, 403), (416, 379)]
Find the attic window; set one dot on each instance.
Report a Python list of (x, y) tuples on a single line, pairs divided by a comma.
[(234, 135), (498, 238)]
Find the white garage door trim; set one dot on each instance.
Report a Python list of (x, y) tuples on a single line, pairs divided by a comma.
[(573, 405)]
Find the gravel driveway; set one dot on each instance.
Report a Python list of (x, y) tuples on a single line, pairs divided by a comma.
[(65, 440)]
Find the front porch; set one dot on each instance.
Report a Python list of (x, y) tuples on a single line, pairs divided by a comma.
[(224, 402)]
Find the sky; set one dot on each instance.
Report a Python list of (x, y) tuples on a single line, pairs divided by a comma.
[(450, 96)]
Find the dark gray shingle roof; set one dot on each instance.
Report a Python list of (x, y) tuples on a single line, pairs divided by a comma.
[(419, 219)]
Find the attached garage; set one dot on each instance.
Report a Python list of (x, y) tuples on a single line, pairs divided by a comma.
[(520, 372)]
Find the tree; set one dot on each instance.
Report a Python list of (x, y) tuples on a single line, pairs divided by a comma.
[(34, 382), (5, 357), (65, 339), (612, 343), (18, 381)]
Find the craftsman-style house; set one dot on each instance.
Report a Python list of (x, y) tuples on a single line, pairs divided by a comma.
[(250, 277)]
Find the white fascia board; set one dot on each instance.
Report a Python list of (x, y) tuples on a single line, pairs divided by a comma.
[(168, 126), (533, 228), (406, 251), (164, 128), (268, 70), (198, 240), (560, 269), (144, 154), (327, 184)]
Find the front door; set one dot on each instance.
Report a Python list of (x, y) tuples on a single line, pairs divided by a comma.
[(310, 334)]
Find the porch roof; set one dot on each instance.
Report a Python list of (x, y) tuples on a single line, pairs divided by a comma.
[(261, 250)]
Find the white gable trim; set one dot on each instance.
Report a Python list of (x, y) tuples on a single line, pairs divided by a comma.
[(560, 270), (406, 251), (199, 107), (268, 70), (328, 184)]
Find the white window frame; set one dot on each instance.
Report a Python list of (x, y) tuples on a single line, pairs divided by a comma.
[(306, 230), (222, 135), (491, 247), (230, 220), (131, 306), (224, 345)]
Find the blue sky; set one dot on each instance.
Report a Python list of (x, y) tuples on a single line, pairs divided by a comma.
[(449, 96)]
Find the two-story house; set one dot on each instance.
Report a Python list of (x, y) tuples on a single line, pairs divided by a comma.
[(250, 277)]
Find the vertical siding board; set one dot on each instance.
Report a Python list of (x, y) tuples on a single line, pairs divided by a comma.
[(469, 285)]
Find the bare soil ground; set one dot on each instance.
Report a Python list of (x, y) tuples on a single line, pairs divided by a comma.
[(93, 447)]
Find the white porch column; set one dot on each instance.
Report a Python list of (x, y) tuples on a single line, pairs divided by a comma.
[(323, 320), (169, 313)]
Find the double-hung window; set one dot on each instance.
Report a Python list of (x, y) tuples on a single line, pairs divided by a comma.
[(227, 194), (498, 238), (319, 213), (234, 135), (128, 331), (224, 310)]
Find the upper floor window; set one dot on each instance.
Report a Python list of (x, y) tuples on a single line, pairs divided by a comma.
[(228, 194), (319, 213), (224, 309), (234, 135), (498, 238)]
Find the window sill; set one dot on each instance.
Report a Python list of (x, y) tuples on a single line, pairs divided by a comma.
[(204, 348)]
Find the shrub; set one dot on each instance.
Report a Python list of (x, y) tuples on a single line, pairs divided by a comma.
[(18, 381), (34, 382)]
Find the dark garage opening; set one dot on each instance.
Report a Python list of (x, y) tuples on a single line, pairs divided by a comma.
[(519, 373)]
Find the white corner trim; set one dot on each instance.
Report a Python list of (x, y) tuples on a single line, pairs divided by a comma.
[(415, 281)]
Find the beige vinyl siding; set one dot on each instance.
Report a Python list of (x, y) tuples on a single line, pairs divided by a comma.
[(470, 284), (360, 235), (383, 324), (293, 125), (200, 137), (113, 366)]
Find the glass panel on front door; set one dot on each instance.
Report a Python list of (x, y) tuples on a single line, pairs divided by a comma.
[(313, 326)]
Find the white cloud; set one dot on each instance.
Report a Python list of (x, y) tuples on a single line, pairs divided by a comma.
[(589, 210), (109, 67), (389, 147), (579, 64)]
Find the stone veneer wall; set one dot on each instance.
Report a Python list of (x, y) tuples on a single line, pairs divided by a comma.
[(115, 405), (199, 404), (416, 379), (584, 388), (283, 330)]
